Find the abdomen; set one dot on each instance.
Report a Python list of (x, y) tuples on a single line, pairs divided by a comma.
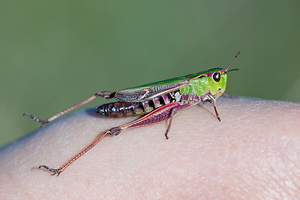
[(126, 109), (122, 109)]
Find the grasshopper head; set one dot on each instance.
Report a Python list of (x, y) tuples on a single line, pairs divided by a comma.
[(217, 80)]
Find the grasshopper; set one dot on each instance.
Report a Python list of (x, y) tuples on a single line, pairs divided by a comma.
[(155, 102)]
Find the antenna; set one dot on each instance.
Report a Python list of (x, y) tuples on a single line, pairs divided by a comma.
[(232, 61)]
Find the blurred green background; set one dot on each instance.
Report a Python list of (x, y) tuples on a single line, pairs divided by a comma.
[(54, 54)]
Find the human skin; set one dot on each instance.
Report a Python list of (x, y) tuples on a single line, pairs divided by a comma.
[(253, 153)]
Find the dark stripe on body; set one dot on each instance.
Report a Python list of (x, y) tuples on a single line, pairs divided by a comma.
[(126, 109)]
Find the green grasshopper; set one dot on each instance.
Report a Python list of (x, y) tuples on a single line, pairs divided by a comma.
[(156, 102)]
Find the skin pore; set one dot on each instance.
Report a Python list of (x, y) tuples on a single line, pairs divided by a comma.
[(253, 153)]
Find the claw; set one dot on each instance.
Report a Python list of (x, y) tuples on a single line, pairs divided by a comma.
[(43, 122), (54, 171)]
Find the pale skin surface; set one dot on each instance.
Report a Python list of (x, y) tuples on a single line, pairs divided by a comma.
[(254, 153)]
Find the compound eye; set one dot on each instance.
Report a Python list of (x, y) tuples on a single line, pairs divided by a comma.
[(217, 77)]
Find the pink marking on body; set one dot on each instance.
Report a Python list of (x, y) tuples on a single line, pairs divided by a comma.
[(210, 74), (166, 99), (146, 104), (156, 102), (155, 116), (187, 99)]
